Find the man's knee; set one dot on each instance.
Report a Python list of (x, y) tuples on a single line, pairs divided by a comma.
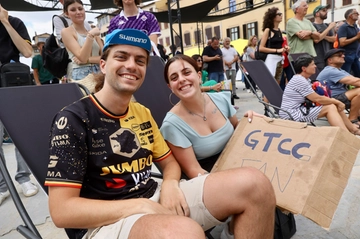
[(166, 226), (258, 187)]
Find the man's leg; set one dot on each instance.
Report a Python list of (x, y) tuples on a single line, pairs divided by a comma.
[(3, 187), (354, 96), (23, 176), (349, 59), (214, 76), (233, 82), (166, 226), (355, 67), (251, 201)]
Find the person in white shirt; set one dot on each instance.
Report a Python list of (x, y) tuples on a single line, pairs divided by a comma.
[(230, 58)]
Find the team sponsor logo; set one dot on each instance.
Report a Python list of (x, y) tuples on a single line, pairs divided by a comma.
[(145, 126), (107, 120), (124, 142), (60, 140), (134, 166), (130, 118), (135, 127), (61, 123), (133, 39)]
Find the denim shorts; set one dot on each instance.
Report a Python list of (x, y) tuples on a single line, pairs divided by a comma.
[(82, 72)]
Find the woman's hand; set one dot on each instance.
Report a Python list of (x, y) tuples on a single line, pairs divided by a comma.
[(95, 31), (217, 87), (77, 61), (250, 114)]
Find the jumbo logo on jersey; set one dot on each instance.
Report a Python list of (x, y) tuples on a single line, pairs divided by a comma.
[(124, 142)]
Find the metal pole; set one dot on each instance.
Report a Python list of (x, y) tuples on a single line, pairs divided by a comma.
[(180, 28), (171, 28), (332, 10)]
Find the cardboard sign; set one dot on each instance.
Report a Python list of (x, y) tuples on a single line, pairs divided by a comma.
[(308, 166)]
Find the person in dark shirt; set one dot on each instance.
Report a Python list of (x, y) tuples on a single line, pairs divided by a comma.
[(212, 55), (14, 39)]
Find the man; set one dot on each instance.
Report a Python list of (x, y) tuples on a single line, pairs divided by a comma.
[(99, 174), (14, 39), (338, 79), (41, 75), (230, 58), (327, 36), (300, 31), (349, 36), (212, 55), (59, 25)]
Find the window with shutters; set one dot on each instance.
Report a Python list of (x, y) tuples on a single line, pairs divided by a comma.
[(187, 39), (217, 32), (250, 29), (233, 33)]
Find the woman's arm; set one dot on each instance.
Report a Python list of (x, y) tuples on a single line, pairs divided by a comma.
[(187, 160), (70, 41), (264, 39)]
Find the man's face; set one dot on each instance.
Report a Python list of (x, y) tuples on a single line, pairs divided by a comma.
[(338, 59), (354, 15), (323, 13), (227, 43), (124, 68), (302, 9), (40, 46), (215, 44)]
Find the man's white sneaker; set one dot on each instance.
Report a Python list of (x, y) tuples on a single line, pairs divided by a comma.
[(3, 196), (29, 189), (225, 234)]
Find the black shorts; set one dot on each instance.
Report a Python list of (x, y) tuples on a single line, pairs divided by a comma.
[(342, 97)]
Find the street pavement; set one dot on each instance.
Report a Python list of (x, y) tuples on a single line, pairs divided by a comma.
[(345, 225)]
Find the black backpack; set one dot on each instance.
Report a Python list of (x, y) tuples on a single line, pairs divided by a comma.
[(262, 55), (15, 74), (55, 58)]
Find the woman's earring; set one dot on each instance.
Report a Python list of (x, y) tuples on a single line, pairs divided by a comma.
[(170, 100)]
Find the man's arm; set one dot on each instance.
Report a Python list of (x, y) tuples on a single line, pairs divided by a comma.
[(24, 46), (36, 76), (345, 41), (69, 210), (211, 58), (171, 196), (59, 25), (324, 34), (350, 80)]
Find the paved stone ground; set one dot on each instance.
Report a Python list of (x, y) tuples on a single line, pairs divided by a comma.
[(345, 225)]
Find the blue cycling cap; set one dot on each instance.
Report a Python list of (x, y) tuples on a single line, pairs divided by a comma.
[(128, 37)]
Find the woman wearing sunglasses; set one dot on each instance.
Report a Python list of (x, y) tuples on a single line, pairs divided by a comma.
[(206, 85)]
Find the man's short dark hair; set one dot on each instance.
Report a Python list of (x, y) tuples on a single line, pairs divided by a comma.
[(348, 12), (302, 61), (214, 39), (119, 3)]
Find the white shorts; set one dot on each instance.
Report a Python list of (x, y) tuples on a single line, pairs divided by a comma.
[(193, 191)]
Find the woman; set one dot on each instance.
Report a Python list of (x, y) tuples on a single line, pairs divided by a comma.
[(134, 17), (199, 126), (206, 85), (272, 41), (299, 89), (84, 47), (249, 54)]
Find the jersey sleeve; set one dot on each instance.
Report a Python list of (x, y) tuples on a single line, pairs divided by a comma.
[(153, 26), (68, 151)]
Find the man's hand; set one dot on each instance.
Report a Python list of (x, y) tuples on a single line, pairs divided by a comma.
[(217, 57), (332, 25), (340, 106), (4, 15), (172, 198)]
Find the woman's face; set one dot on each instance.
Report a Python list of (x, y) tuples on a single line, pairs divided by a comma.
[(199, 62), (184, 81), (254, 41), (278, 16), (310, 69), (76, 12)]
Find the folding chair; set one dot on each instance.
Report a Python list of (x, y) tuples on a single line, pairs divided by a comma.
[(267, 84), (27, 113)]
